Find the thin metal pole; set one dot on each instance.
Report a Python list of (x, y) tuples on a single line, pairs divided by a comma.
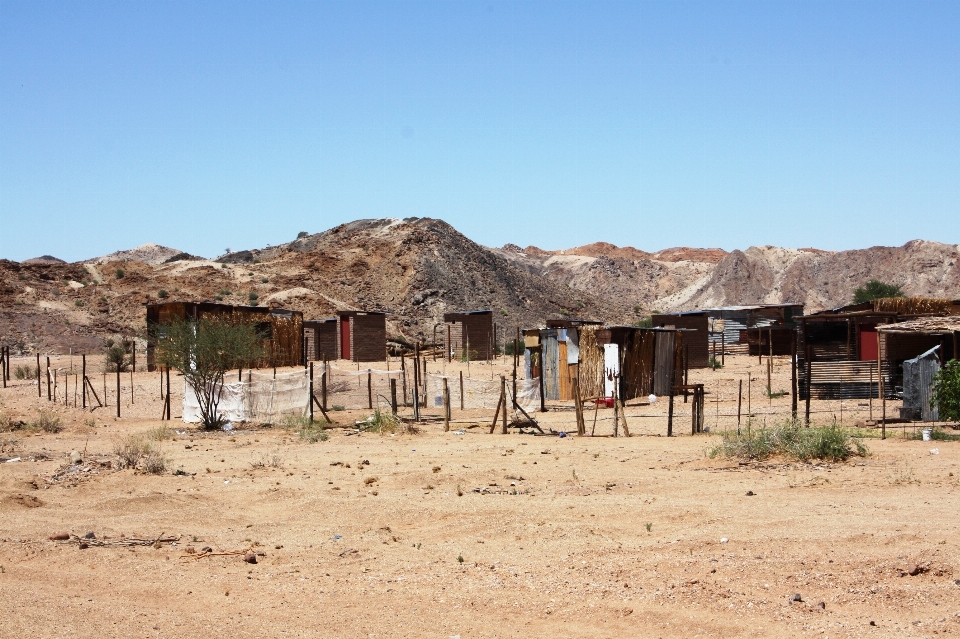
[(39, 385), (393, 395), (83, 365), (461, 390), (369, 389), (118, 391), (48, 379), (310, 401)]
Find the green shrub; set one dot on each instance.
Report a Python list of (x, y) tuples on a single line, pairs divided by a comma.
[(162, 294), (828, 443), (120, 273), (874, 290), (78, 303), (714, 363), (302, 234), (946, 392)]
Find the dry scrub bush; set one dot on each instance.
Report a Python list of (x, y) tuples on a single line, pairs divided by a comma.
[(135, 451), (385, 422), (792, 440), (47, 422)]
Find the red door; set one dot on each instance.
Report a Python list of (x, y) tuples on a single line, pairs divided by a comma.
[(345, 338), (868, 345)]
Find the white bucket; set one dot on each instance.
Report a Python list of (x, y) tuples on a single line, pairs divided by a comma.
[(927, 434)]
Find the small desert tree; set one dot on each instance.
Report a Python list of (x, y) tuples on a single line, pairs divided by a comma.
[(874, 290), (946, 392), (203, 351)]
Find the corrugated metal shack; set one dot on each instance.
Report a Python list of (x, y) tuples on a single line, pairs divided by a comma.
[(362, 336), (902, 342), (728, 324), (283, 328), (320, 339), (555, 352), (696, 340), (469, 330), (839, 351)]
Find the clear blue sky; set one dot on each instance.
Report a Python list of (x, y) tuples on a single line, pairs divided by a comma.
[(203, 126)]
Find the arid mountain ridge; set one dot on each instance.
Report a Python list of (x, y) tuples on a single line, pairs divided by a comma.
[(416, 269)]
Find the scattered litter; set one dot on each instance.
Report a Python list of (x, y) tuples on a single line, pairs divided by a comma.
[(12, 459), (561, 434), (652, 398), (927, 434), (226, 481), (724, 540), (336, 537), (227, 427), (934, 451), (460, 432), (86, 541)]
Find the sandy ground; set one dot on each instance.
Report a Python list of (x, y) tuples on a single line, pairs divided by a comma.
[(477, 535)]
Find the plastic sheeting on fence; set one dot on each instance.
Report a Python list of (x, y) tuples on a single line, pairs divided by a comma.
[(483, 393), (260, 398)]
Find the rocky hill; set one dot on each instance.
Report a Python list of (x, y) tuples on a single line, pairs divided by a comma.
[(709, 277), (418, 268), (414, 269)]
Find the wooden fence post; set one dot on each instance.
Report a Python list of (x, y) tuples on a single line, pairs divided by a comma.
[(446, 405), (503, 393), (670, 415), (461, 390), (393, 395), (310, 401), (83, 366), (369, 389), (39, 385), (118, 391)]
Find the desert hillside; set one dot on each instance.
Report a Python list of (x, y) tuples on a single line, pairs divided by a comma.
[(419, 268)]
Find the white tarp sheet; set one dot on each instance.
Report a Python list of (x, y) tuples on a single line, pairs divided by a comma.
[(260, 398)]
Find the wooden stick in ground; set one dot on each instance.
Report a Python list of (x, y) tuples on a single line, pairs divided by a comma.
[(578, 404), (322, 411), (739, 404), (670, 415), (167, 401), (809, 364), (623, 417), (393, 395), (311, 393), (616, 409), (503, 393), (369, 389), (48, 380), (446, 405), (461, 390), (39, 385), (131, 388), (118, 391), (496, 414), (596, 410)]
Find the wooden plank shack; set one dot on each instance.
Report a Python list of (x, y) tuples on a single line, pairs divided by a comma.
[(362, 336), (473, 328), (282, 329), (696, 340), (320, 339), (651, 359)]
